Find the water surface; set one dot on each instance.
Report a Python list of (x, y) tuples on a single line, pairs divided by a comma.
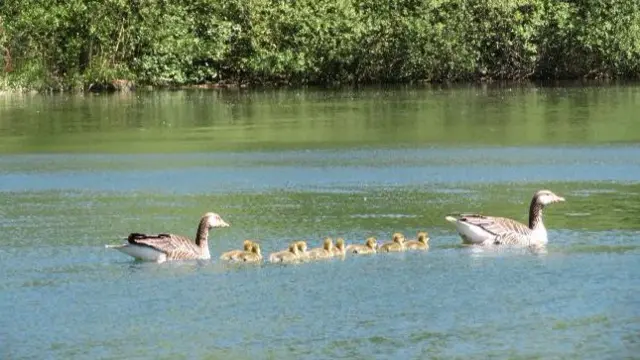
[(80, 172)]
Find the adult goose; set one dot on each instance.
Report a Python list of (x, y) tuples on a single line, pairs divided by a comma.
[(489, 230), (165, 247)]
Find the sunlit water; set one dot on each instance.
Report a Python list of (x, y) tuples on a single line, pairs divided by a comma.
[(78, 173)]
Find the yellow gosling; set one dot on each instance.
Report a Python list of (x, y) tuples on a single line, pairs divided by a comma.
[(253, 256), (339, 249), (370, 247), (422, 243), (325, 252), (396, 244), (286, 256), (303, 254), (234, 254)]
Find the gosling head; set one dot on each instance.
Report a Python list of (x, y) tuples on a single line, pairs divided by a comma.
[(214, 220), (293, 248), (423, 237), (247, 245), (372, 243), (328, 244), (340, 243), (301, 245), (398, 238), (255, 248)]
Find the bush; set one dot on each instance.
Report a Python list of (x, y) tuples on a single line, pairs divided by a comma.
[(81, 43)]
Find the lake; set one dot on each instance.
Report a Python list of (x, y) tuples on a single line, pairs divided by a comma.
[(81, 171)]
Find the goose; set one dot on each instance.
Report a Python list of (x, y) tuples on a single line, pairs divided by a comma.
[(326, 251), (234, 254), (164, 247), (488, 230), (339, 249), (396, 244), (292, 254), (253, 255), (422, 243), (370, 247)]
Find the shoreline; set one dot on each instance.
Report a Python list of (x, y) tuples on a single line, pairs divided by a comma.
[(126, 86)]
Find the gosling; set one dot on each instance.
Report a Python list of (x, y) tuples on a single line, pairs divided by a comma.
[(303, 254), (325, 252), (234, 254), (339, 249), (370, 247), (422, 243), (291, 255), (396, 244), (253, 256)]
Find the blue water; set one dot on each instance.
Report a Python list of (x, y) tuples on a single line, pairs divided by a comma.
[(63, 295), (261, 171)]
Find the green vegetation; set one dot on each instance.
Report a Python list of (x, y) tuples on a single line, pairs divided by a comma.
[(82, 44)]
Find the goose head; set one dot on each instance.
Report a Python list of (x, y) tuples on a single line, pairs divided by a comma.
[(214, 220), (372, 243), (423, 237), (546, 197)]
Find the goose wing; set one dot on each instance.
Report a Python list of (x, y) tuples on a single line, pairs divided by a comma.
[(169, 244), (507, 231)]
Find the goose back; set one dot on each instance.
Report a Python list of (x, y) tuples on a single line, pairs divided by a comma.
[(497, 230), (176, 247)]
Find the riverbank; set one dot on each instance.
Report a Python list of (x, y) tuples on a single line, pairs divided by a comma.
[(61, 47)]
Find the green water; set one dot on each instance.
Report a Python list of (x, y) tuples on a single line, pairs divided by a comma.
[(78, 172), (170, 122)]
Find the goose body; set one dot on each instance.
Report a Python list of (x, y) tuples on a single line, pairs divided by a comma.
[(325, 252), (234, 254), (422, 242), (396, 244), (370, 247), (477, 229), (165, 247)]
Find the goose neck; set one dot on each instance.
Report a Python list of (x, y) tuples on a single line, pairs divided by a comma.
[(202, 234), (535, 214)]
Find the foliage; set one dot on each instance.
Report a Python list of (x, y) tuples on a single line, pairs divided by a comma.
[(82, 43)]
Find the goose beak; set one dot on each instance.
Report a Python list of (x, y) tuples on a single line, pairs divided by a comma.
[(224, 223), (559, 199)]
